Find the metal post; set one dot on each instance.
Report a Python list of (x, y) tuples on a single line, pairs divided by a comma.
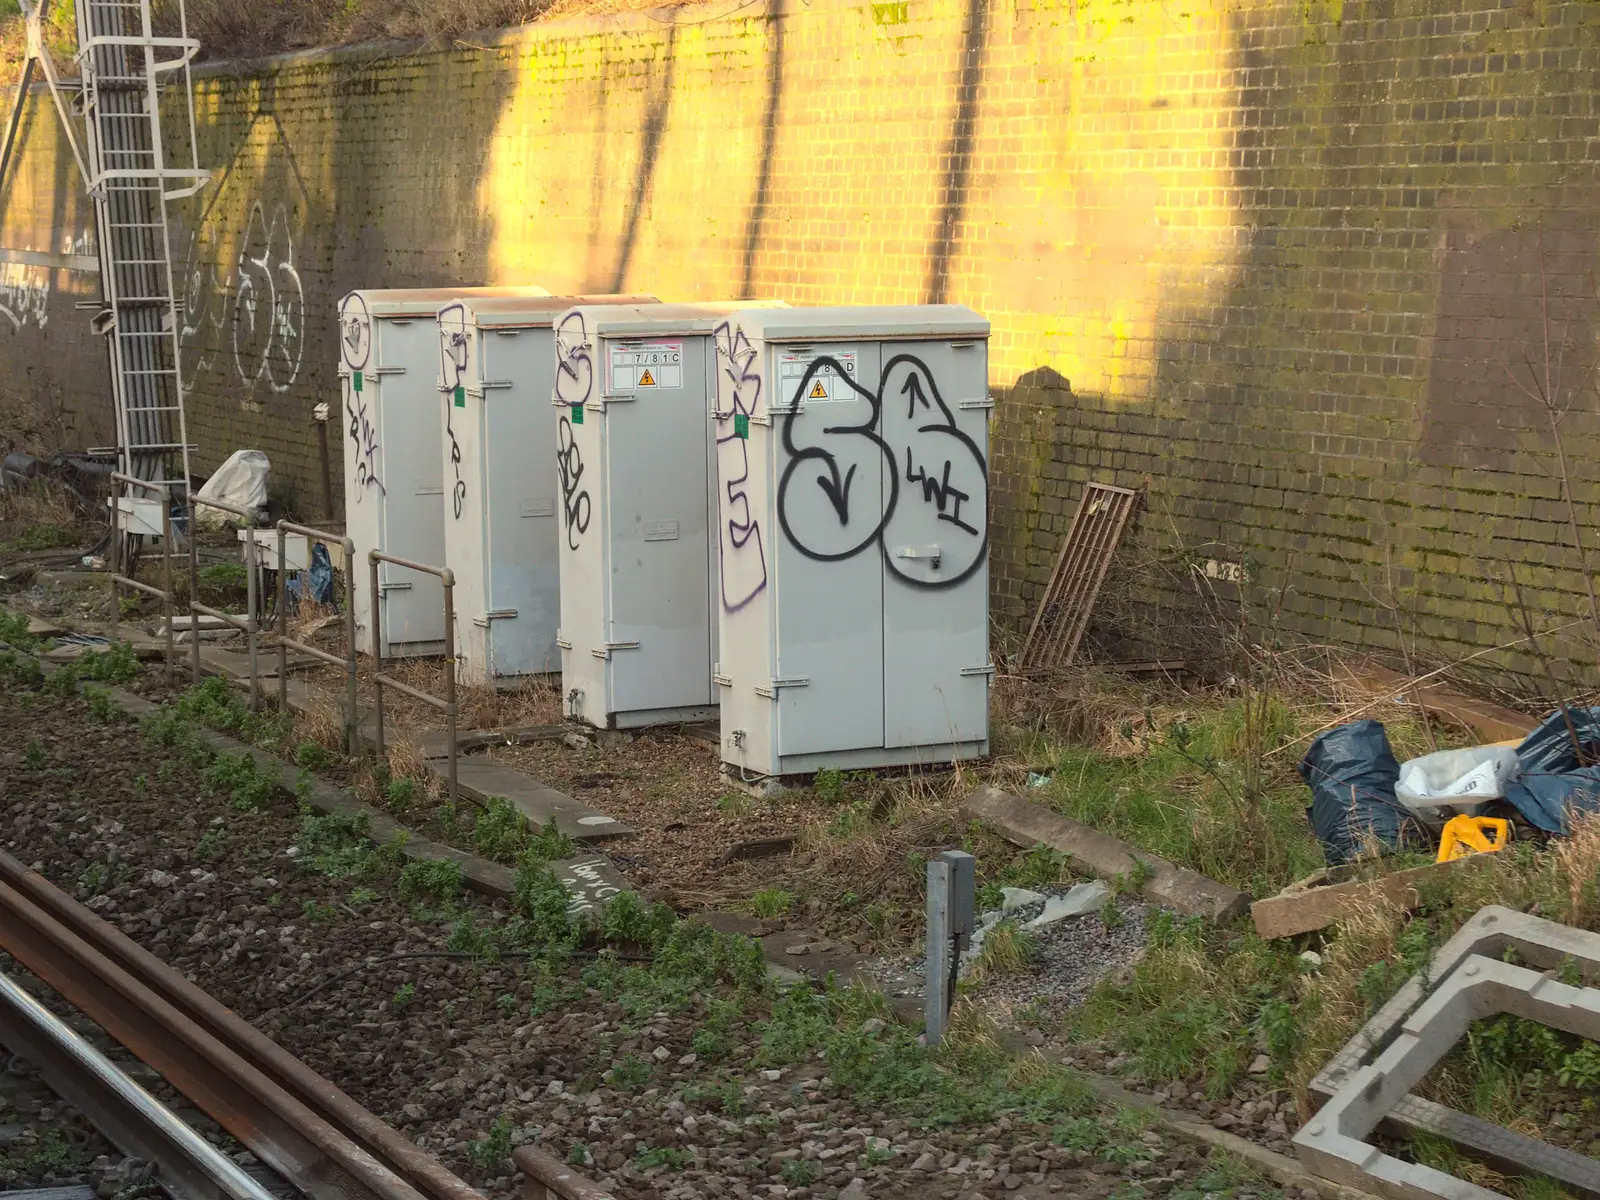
[(283, 622), (194, 594), (936, 1004), (377, 653), (168, 608), (951, 902), (252, 620), (115, 562), (350, 723), (450, 671)]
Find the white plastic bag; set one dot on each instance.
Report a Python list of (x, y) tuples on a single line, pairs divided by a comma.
[(1437, 786), (241, 481)]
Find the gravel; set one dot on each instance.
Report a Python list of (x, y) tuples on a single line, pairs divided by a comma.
[(1070, 957), (445, 1049)]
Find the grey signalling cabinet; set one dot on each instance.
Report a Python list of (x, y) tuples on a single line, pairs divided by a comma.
[(852, 537)]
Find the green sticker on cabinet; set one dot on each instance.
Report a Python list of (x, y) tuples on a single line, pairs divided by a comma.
[(357, 378), (577, 413), (741, 425), (461, 396)]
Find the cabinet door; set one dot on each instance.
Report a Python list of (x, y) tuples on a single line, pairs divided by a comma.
[(828, 467), (935, 544), (656, 522), (409, 403)]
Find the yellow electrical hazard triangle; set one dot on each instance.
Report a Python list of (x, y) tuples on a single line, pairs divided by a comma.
[(818, 392), (649, 380)]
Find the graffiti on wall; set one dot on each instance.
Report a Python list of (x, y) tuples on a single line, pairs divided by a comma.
[(741, 556), (24, 294), (253, 312), (574, 386)]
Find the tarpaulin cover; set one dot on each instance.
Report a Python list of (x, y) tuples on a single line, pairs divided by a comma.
[(1352, 773), (1554, 783)]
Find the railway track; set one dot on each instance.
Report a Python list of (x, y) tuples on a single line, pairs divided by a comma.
[(301, 1125)]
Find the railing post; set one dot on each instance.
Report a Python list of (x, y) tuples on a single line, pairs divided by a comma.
[(377, 655), (168, 607), (194, 593), (449, 579), (252, 618), (116, 566), (350, 721), (283, 622)]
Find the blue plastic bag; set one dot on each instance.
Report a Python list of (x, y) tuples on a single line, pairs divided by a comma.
[(1554, 783), (1352, 772), (321, 575)]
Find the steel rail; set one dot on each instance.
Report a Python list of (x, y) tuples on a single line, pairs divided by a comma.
[(189, 1167), (290, 1117)]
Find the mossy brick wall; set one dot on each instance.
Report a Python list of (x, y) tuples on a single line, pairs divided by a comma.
[(1278, 262)]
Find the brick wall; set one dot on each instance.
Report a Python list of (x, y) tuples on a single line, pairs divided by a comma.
[(1277, 262)]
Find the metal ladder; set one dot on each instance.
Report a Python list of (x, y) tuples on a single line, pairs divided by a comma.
[(131, 183)]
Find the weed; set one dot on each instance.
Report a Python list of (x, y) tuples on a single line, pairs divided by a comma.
[(401, 794), (494, 1147), (338, 844), (93, 878), (662, 1156), (771, 903), (44, 537), (33, 755), (1110, 914), (14, 631), (316, 913), (578, 1156), (314, 757), (62, 682), (248, 787), (500, 832), (209, 847), (22, 669), (118, 664), (438, 882), (631, 1073), (834, 785), (222, 582), (734, 804), (403, 995), (100, 706), (798, 1172), (1007, 950)]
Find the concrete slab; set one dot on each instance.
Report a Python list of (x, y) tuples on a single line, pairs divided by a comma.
[(1025, 824), (481, 778), (435, 743)]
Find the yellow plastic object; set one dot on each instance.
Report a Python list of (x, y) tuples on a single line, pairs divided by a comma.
[(1473, 835)]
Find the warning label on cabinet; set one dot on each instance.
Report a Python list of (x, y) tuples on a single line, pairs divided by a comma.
[(797, 382), (643, 366)]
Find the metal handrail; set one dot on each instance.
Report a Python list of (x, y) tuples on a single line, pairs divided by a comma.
[(250, 625), (163, 593), (285, 642), (381, 681)]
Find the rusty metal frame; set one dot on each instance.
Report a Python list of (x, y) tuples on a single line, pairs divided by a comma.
[(380, 680), (118, 580), (1068, 601), (290, 1117), (348, 662)]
